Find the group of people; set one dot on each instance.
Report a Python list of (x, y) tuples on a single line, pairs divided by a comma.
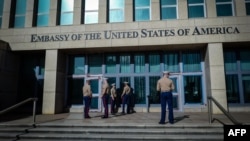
[(164, 87), (116, 97)]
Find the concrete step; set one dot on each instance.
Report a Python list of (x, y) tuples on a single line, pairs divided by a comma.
[(104, 132)]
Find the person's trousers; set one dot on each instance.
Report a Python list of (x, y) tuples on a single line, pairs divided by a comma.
[(112, 106), (126, 101), (167, 98), (105, 100), (87, 102)]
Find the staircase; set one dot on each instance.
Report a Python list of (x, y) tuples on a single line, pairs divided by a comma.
[(122, 132)]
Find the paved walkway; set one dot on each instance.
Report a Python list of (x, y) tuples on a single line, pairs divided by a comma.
[(139, 118)]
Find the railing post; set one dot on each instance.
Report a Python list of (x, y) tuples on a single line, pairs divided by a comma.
[(34, 111), (209, 110)]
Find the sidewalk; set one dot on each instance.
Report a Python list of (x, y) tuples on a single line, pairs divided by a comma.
[(139, 118)]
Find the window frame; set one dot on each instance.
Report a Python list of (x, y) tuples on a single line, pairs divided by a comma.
[(142, 8), (223, 3), (198, 4), (162, 6)]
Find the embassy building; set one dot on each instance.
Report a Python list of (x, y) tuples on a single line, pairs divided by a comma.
[(49, 47)]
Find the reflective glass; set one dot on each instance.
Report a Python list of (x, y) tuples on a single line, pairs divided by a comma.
[(113, 4), (154, 63), (110, 64), (20, 7), (125, 63), (230, 61), (195, 1), (154, 97), (139, 90), (191, 62), (224, 10), (19, 21), (75, 91), (246, 88), (195, 11), (91, 17), (66, 18), (67, 5), (192, 89), (232, 89), (95, 64), (116, 16), (168, 2), (76, 65), (171, 62), (91, 4), (42, 20), (248, 8), (142, 15), (139, 61), (43, 6), (141, 3), (245, 60), (1, 7), (168, 13), (223, 0)]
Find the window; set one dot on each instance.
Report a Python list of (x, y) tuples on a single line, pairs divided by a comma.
[(91, 11), (139, 60), (142, 10), (20, 12), (230, 61), (171, 62), (139, 90), (224, 7), (95, 64), (1, 12), (76, 65), (110, 64), (168, 9), (125, 63), (248, 7), (191, 62), (154, 63), (116, 10), (42, 14), (192, 89), (154, 97), (67, 8), (246, 87), (245, 60), (232, 89), (196, 8)]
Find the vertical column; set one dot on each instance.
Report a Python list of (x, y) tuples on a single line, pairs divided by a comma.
[(155, 10), (182, 9), (29, 13), (215, 75), (54, 82), (240, 8), (77, 12), (53, 12), (102, 12), (6, 14), (129, 10), (211, 8)]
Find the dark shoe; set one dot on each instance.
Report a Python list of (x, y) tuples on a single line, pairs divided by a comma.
[(162, 123), (104, 117), (171, 122), (87, 117)]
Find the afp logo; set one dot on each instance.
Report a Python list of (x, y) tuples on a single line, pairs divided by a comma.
[(241, 132)]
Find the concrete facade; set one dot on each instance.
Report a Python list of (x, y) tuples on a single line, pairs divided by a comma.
[(209, 33)]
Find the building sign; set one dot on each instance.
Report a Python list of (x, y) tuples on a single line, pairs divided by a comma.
[(143, 33)]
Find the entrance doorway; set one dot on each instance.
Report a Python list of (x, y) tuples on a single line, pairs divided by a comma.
[(176, 92)]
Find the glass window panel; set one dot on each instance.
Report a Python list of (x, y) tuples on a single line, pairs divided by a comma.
[(195, 11), (224, 10), (76, 65), (1, 7), (43, 6), (248, 8), (223, 0), (139, 61), (20, 7), (171, 62), (230, 61), (0, 22), (245, 60), (67, 5), (95, 64), (110, 64), (246, 88), (169, 13), (191, 62), (195, 1), (91, 17), (94, 84), (116, 16), (142, 15), (114, 4), (141, 3), (19, 21), (125, 63), (175, 84), (42, 20), (168, 2), (94, 103), (66, 18), (192, 89), (91, 4), (140, 90), (75, 91), (154, 97), (232, 89), (154, 63)]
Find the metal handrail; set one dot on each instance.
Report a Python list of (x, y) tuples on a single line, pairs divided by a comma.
[(230, 117), (21, 103)]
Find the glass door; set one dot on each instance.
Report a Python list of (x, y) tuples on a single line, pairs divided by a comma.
[(176, 92)]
